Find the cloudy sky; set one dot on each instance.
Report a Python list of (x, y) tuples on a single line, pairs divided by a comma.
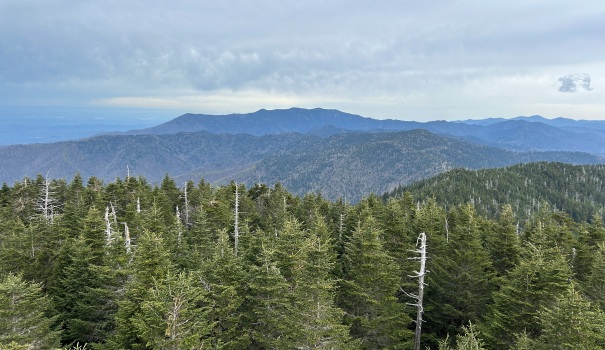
[(411, 60)]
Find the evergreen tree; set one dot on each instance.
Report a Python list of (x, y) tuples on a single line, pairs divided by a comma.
[(81, 284), (199, 239), (469, 340), (572, 323), (461, 278), (268, 307), (222, 276), (503, 242), (319, 319), (588, 240), (399, 238), (174, 314), (16, 250), (151, 262), (594, 287), (24, 320), (524, 342), (536, 282), (368, 292)]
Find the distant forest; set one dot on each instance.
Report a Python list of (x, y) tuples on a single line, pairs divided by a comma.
[(130, 265)]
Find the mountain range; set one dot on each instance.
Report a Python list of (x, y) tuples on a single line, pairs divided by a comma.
[(309, 150), (533, 133)]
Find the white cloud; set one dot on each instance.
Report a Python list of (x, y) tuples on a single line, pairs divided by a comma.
[(574, 82)]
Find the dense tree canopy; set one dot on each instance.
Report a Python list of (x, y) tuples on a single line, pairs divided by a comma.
[(132, 265)]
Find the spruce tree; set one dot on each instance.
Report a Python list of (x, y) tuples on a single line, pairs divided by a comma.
[(268, 305), (461, 278), (536, 282), (82, 285), (24, 316), (368, 292), (174, 314), (319, 319), (587, 244), (150, 262), (572, 322), (594, 287), (504, 243), (222, 275)]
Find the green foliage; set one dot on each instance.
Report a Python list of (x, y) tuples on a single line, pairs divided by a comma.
[(463, 266), (534, 284), (594, 288), (151, 262), (174, 314), (575, 189), (572, 323), (223, 277), (24, 316), (503, 242), (368, 291), (469, 340), (309, 273)]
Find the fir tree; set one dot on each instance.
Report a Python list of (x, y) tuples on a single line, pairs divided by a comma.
[(536, 282), (368, 292), (503, 242), (314, 291), (572, 323), (174, 314), (151, 262), (24, 320), (461, 278), (594, 287), (222, 276)]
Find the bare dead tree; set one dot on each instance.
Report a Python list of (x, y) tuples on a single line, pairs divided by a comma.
[(236, 224), (447, 230), (126, 237), (187, 208), (179, 233), (46, 202), (107, 227), (418, 298), (113, 213), (138, 205)]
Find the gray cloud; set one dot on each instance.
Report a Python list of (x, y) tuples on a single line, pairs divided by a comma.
[(63, 50), (575, 82)]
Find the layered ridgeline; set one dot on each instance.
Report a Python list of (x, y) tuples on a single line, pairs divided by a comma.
[(347, 165), (578, 190), (533, 133)]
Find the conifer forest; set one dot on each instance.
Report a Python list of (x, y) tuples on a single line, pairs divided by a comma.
[(187, 265)]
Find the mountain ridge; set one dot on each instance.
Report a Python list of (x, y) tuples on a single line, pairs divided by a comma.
[(534, 133), (348, 165)]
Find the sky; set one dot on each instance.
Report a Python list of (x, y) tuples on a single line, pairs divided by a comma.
[(409, 60)]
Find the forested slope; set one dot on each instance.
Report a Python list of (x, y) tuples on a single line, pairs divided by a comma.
[(347, 165), (128, 265), (353, 165), (578, 190)]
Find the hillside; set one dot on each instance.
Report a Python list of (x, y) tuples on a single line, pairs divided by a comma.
[(347, 165), (190, 155), (353, 165), (577, 190)]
